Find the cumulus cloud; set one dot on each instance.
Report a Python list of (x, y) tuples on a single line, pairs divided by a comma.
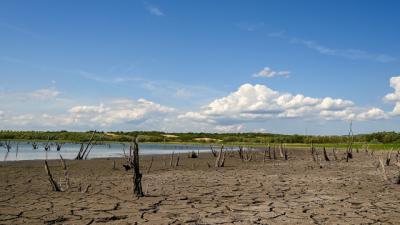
[(268, 73), (395, 96), (115, 112), (373, 114), (259, 102)]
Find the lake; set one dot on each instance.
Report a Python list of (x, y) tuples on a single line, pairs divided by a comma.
[(70, 150)]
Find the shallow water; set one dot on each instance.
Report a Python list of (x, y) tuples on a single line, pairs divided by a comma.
[(24, 151)]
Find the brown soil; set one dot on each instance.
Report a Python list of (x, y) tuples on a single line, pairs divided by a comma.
[(297, 191)]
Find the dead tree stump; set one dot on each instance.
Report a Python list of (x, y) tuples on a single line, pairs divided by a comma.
[(137, 176)]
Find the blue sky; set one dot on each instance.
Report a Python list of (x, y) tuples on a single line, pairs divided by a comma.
[(214, 66)]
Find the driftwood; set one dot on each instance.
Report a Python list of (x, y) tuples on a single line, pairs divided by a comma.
[(53, 184), (85, 149)]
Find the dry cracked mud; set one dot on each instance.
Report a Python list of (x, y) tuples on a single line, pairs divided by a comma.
[(297, 191)]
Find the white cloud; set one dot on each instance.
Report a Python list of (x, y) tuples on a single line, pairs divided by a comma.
[(154, 10), (229, 128), (373, 114), (350, 53), (258, 102), (108, 114), (334, 104), (117, 112), (395, 96), (40, 94), (268, 73)]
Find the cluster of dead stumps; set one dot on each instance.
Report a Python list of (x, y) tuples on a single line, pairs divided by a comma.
[(219, 155)]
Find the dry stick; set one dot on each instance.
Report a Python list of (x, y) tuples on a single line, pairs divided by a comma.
[(247, 157), (312, 150), (47, 145), (59, 145), (90, 149), (349, 151), (383, 171), (269, 152), (220, 160), (334, 154), (83, 150), (285, 151), (265, 155), (65, 169), (53, 184), (214, 153), (281, 150), (240, 152), (171, 160), (274, 153), (151, 164), (366, 146), (16, 152), (326, 156), (398, 177), (177, 161), (86, 189), (388, 157)]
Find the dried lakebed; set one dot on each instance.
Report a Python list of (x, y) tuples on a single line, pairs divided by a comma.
[(297, 191)]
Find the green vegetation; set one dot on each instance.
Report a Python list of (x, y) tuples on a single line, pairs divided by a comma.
[(380, 140)]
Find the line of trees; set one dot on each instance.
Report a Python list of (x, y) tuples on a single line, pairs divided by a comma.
[(155, 136)]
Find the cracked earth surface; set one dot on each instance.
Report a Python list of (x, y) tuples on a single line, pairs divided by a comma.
[(296, 191)]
